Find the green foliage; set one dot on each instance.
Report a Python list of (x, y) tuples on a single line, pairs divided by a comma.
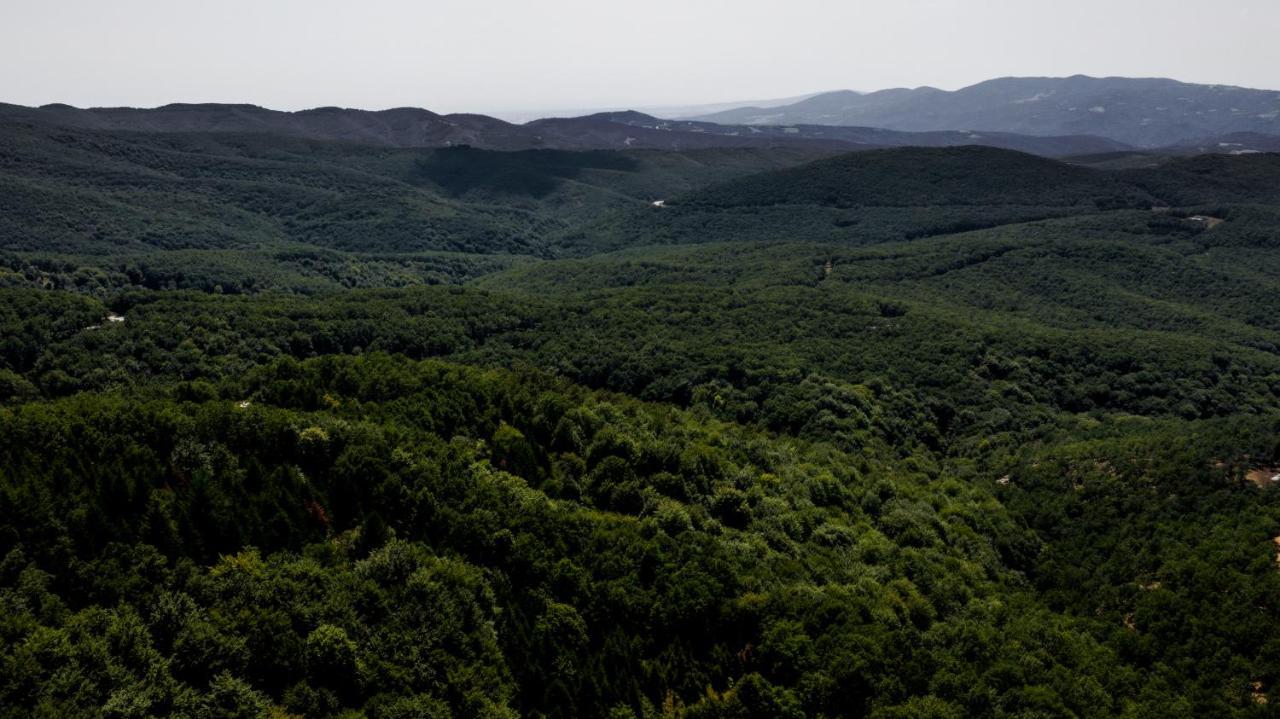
[(882, 196), (85, 209), (809, 585), (535, 173), (924, 434), (927, 177)]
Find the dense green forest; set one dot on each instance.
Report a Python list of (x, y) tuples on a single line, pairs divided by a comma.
[(302, 429)]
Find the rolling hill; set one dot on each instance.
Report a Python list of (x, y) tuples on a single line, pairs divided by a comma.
[(887, 195), (917, 177), (112, 192), (411, 127), (107, 194), (1140, 112)]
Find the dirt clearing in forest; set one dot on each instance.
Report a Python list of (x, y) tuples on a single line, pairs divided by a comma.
[(1207, 221), (1264, 476)]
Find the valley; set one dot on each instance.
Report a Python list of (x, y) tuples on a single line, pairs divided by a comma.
[(410, 415)]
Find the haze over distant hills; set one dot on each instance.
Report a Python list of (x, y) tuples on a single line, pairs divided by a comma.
[(413, 127), (1141, 112), (672, 111), (1047, 116)]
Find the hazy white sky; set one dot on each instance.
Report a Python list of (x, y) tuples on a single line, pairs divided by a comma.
[(495, 55)]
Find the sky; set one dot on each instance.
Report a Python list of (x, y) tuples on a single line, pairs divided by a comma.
[(520, 56)]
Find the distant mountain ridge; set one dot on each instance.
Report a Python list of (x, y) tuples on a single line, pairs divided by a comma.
[(414, 127), (1144, 112), (400, 127), (671, 111)]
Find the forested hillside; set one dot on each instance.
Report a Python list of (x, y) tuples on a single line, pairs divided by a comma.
[(92, 192), (298, 428), (911, 193), (409, 127)]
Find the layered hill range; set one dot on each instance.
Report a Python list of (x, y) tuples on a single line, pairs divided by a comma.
[(1053, 117), (414, 127), (1144, 113), (112, 192)]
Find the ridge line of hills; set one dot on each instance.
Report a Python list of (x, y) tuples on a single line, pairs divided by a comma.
[(1144, 112), (106, 194), (1053, 117), (414, 127)]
